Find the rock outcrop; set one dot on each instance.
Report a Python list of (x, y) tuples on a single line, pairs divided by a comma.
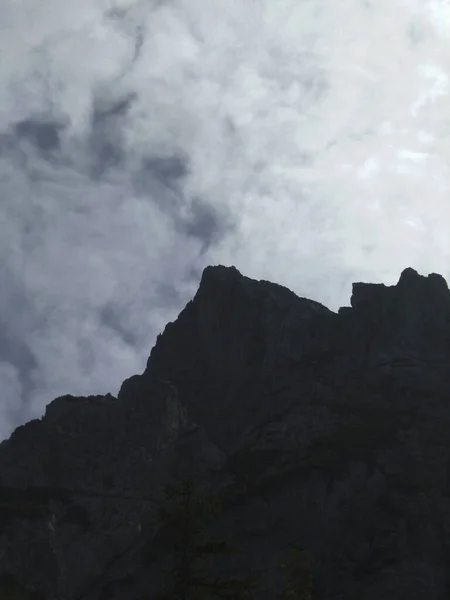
[(323, 430)]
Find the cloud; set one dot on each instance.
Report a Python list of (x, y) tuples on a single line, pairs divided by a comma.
[(305, 143)]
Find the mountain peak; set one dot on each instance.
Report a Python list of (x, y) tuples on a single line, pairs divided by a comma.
[(316, 429)]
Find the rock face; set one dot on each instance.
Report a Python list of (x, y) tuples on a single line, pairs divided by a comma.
[(322, 430)]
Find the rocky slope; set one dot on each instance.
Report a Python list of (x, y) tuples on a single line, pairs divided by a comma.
[(315, 429)]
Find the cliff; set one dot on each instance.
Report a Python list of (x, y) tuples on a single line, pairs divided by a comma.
[(323, 430)]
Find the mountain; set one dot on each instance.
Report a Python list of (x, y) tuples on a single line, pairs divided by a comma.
[(326, 432)]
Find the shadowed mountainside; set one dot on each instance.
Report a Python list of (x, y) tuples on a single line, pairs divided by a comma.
[(320, 430)]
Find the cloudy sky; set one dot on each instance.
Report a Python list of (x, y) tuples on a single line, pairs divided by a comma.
[(306, 142)]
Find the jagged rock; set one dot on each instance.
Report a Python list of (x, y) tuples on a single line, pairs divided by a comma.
[(327, 430)]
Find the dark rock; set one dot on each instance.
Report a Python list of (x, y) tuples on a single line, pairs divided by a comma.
[(315, 429)]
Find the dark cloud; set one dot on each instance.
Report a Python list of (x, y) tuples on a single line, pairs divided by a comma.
[(7, 143), (160, 179), (15, 313), (15, 351), (102, 112), (105, 138), (204, 223), (113, 316), (169, 170), (107, 154), (86, 356), (167, 294), (44, 136)]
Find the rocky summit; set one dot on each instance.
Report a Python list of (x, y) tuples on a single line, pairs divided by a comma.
[(271, 449)]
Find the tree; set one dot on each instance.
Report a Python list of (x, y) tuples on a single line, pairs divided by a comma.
[(12, 589), (183, 512), (298, 582)]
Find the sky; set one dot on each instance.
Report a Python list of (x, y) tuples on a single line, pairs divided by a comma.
[(305, 142)]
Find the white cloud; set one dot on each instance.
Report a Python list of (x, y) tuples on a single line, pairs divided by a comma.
[(11, 392), (306, 143)]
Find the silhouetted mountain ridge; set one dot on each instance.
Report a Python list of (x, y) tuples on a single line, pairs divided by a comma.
[(324, 430)]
